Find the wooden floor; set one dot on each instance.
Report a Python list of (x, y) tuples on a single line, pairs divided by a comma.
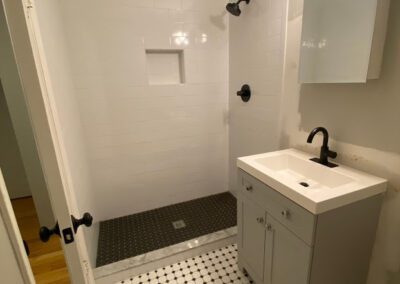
[(47, 259)]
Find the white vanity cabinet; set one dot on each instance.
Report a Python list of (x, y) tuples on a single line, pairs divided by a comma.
[(280, 242)]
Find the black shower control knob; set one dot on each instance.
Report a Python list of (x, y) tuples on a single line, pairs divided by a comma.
[(244, 93), (45, 233), (86, 220)]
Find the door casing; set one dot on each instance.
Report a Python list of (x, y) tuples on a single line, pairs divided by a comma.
[(14, 252)]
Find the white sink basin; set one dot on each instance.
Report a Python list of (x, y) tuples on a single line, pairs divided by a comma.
[(315, 187)]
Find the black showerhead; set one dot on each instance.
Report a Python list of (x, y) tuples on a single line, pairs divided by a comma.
[(234, 8)]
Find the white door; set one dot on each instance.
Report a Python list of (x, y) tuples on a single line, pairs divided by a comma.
[(26, 40), (14, 263)]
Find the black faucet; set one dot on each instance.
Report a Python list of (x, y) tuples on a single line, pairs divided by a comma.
[(325, 152)]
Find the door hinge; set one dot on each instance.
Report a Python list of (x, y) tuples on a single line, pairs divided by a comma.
[(86, 270), (29, 7)]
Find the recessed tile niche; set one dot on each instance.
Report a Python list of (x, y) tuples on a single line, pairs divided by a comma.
[(165, 67)]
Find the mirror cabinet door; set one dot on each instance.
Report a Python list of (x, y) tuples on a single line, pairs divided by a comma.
[(336, 40)]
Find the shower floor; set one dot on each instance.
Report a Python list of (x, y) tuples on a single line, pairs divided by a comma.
[(137, 234)]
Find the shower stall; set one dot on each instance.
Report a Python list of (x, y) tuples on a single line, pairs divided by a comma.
[(141, 92)]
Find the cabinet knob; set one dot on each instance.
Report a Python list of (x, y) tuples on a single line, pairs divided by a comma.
[(260, 220), (269, 227), (285, 213), (249, 187)]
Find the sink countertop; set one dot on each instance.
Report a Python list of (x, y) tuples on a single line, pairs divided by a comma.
[(328, 188)]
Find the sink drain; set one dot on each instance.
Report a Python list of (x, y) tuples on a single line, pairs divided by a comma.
[(304, 184)]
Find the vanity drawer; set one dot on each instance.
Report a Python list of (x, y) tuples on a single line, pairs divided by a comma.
[(297, 219)]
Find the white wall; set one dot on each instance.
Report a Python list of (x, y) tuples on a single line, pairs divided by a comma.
[(363, 121), (10, 157), (256, 44)]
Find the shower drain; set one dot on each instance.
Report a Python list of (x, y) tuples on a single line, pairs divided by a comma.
[(180, 224)]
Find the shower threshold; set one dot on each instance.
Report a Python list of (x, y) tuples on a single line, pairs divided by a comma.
[(147, 236)]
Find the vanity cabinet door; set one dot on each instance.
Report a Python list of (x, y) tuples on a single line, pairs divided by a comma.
[(253, 236), (287, 258)]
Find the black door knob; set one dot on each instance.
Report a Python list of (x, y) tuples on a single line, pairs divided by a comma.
[(244, 93), (45, 233), (86, 220)]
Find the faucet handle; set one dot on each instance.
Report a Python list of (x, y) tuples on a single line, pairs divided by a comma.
[(332, 154)]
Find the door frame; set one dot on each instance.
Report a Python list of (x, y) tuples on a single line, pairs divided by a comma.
[(11, 225), (29, 54)]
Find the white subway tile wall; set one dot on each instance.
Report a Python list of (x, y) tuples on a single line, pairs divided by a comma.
[(147, 145), (256, 51)]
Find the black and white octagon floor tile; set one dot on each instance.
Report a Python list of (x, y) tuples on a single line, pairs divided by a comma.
[(218, 266)]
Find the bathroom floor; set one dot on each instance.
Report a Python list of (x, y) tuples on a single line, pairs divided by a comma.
[(136, 234), (218, 266)]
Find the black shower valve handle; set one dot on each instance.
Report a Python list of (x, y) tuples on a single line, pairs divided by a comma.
[(244, 93)]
